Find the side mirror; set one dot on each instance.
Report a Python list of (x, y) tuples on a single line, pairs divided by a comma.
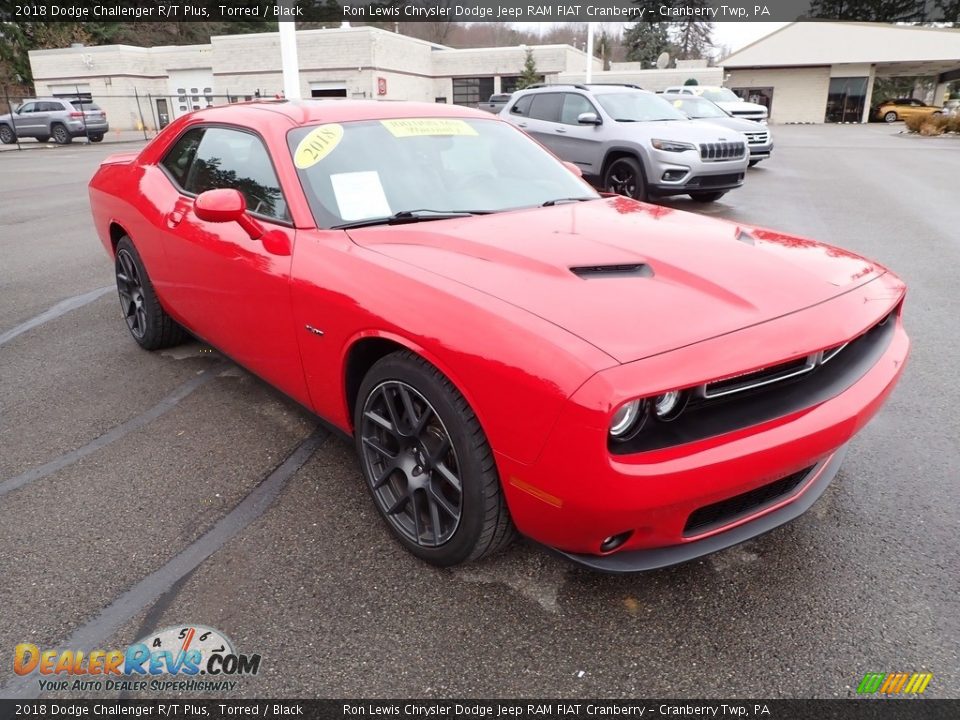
[(226, 205), (588, 118), (575, 169)]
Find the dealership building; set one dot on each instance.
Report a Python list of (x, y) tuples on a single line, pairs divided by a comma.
[(814, 72), (159, 84), (805, 72)]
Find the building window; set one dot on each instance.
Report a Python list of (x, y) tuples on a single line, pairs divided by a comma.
[(846, 99), (508, 83), (328, 92), (472, 91), (759, 95)]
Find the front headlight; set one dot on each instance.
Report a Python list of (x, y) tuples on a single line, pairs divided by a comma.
[(672, 145), (628, 419)]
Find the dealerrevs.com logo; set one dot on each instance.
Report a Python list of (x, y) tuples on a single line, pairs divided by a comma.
[(182, 658), (895, 683)]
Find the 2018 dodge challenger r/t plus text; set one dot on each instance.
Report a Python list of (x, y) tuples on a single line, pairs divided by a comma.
[(630, 385)]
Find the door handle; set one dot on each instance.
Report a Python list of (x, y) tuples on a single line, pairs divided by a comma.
[(521, 124), (560, 130), (174, 218)]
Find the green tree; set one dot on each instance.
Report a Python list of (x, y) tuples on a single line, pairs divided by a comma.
[(529, 76), (691, 81), (645, 41)]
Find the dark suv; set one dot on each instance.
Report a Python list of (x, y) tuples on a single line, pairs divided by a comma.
[(62, 119)]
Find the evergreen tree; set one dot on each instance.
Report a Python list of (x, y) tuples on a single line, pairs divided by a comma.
[(645, 41), (529, 76)]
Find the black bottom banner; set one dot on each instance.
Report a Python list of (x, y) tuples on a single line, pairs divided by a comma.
[(856, 709)]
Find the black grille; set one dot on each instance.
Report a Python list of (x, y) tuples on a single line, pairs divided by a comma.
[(727, 511), (705, 181), (722, 150)]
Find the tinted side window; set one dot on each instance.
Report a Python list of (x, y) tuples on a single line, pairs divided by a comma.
[(522, 106), (28, 108), (238, 160), (573, 105), (546, 107), (178, 158)]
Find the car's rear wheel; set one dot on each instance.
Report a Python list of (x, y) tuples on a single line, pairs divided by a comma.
[(146, 319), (428, 464), (706, 197), (624, 176), (61, 136), (890, 117), (96, 137), (7, 136)]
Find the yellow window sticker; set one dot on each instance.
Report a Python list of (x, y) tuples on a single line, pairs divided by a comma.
[(678, 103), (418, 127), (317, 144)]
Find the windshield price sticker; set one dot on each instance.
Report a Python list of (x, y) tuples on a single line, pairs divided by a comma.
[(317, 144), (418, 127)]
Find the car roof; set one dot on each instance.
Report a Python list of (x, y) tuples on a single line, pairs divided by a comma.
[(595, 88), (309, 112)]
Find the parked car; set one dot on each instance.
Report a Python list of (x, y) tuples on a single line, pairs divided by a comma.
[(759, 138), (631, 385), (903, 108), (631, 141), (496, 103), (62, 119), (952, 107), (725, 98)]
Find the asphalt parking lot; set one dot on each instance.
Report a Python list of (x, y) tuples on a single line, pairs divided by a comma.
[(140, 491)]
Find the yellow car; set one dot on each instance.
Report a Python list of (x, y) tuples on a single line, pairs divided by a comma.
[(903, 108)]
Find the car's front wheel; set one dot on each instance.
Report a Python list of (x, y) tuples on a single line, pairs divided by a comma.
[(706, 197), (428, 464), (624, 176), (890, 117), (7, 136), (753, 163), (146, 319), (61, 136)]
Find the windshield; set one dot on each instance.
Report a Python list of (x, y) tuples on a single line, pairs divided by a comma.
[(721, 95), (637, 107), (85, 104), (698, 108), (364, 170)]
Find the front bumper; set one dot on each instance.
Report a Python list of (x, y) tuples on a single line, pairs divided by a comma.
[(760, 152), (672, 173), (577, 494)]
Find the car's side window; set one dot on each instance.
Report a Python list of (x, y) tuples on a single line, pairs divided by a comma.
[(178, 159), (236, 159), (573, 106), (28, 108), (49, 107), (546, 106), (522, 106)]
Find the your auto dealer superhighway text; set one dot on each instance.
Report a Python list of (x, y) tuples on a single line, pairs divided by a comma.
[(558, 11)]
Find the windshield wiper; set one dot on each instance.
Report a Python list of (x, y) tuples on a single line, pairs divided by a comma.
[(410, 216), (562, 201)]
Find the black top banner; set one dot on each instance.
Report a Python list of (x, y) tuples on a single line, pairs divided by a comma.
[(477, 10), (901, 709)]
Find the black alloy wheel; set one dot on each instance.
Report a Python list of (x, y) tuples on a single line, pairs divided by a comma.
[(60, 134), (416, 473), (428, 464), (148, 322), (7, 136), (96, 137), (625, 176)]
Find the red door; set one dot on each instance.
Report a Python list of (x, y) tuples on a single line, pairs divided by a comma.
[(229, 289)]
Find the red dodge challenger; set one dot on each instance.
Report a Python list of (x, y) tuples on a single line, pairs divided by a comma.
[(630, 385)]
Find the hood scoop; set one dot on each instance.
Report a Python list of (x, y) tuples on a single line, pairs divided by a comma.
[(595, 272)]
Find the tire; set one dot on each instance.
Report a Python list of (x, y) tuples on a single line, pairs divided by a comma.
[(890, 117), (707, 197), (61, 136), (753, 163), (625, 176), (146, 319), (7, 136), (96, 137), (417, 439), (42, 138)]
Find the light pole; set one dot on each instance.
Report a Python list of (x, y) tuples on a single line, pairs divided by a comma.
[(589, 73), (288, 56)]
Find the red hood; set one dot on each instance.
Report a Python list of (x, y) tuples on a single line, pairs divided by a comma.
[(703, 277)]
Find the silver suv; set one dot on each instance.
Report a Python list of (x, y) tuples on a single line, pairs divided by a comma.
[(631, 142), (62, 119)]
